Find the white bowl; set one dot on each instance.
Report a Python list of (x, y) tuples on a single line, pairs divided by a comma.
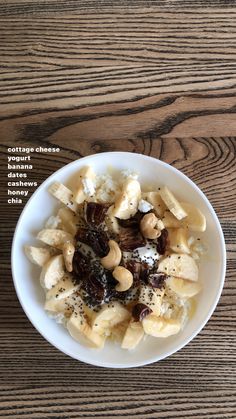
[(26, 276)]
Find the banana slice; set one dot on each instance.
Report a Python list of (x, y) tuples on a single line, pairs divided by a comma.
[(62, 301), (55, 237), (52, 272), (80, 330), (180, 265), (72, 303), (159, 327), (63, 194), (126, 205), (85, 186), (39, 255), (111, 221), (154, 198), (152, 297), (69, 220), (118, 331), (65, 287), (89, 312), (171, 202), (178, 240), (182, 287), (195, 220), (170, 221), (109, 316), (133, 335), (62, 305), (55, 306)]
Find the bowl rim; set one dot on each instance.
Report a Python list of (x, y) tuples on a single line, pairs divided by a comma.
[(155, 358)]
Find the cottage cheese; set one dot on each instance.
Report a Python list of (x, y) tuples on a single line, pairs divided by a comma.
[(88, 186), (146, 254), (106, 188), (144, 206)]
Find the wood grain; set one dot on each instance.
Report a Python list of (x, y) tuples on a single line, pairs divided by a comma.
[(155, 77), (117, 70)]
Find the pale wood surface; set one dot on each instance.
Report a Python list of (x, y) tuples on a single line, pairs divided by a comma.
[(154, 77)]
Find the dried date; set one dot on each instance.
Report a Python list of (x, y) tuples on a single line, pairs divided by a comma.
[(140, 311)]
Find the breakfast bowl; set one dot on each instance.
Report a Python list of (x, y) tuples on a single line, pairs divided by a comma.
[(152, 174)]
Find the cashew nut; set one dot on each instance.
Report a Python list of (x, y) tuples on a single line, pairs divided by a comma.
[(113, 258), (68, 253), (124, 277), (150, 226)]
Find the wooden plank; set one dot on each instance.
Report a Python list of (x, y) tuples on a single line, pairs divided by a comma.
[(117, 72), (154, 77)]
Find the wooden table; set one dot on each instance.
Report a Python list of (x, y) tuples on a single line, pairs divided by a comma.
[(154, 77)]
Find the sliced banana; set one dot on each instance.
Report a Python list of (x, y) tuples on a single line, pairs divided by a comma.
[(183, 287), (63, 194), (154, 198), (178, 240), (89, 312), (159, 327), (39, 255), (81, 331), (111, 221), (69, 220), (55, 237), (85, 187), (72, 303), (152, 297), (52, 272), (61, 305), (65, 287), (118, 331), (55, 306), (195, 220), (180, 265), (126, 205), (133, 335), (170, 221), (109, 316), (172, 203)]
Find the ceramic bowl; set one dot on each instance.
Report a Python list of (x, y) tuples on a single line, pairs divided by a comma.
[(26, 275)]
